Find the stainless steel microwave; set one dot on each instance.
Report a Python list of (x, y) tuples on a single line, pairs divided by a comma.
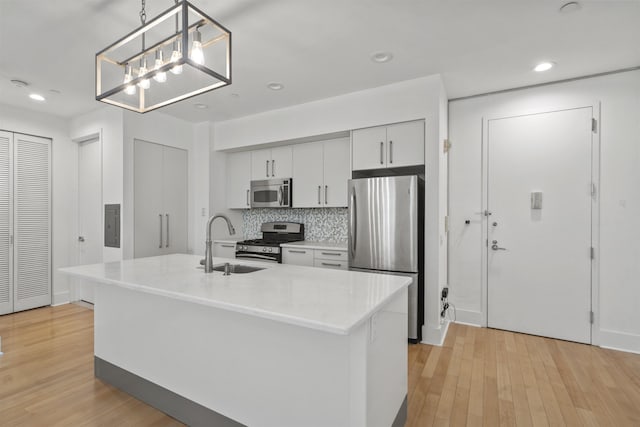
[(271, 193)]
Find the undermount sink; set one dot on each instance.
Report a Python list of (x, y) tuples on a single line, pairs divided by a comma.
[(238, 268)]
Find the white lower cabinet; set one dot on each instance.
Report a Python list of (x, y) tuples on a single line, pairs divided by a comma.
[(321, 258), (224, 249), (325, 258), (298, 256)]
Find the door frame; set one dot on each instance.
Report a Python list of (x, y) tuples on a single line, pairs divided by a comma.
[(595, 206), (89, 137)]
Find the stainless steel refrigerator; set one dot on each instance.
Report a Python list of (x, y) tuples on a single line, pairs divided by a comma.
[(386, 234)]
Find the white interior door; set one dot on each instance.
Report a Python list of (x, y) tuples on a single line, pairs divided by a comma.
[(32, 222), (90, 230), (6, 226), (539, 257)]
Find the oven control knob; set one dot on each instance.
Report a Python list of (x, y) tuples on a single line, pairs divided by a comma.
[(264, 249), (270, 249)]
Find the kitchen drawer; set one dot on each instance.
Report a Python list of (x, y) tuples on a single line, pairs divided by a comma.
[(325, 263), (224, 250), (297, 256), (332, 255)]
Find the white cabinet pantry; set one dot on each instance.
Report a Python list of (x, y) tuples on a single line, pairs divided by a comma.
[(396, 145), (271, 163), (320, 173), (238, 180), (160, 199)]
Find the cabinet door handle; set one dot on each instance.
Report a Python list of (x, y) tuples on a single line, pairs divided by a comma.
[(381, 152), (390, 151), (330, 253), (291, 251), (273, 168), (248, 198), (228, 246), (160, 216), (326, 188), (331, 264), (267, 168), (319, 187), (167, 244)]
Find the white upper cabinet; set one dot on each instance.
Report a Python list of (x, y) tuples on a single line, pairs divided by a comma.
[(308, 175), (271, 163), (320, 173), (337, 172), (238, 180), (396, 145)]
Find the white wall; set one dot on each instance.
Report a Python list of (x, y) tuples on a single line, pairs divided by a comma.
[(108, 122), (166, 130), (618, 304), (64, 186), (422, 98), (218, 193)]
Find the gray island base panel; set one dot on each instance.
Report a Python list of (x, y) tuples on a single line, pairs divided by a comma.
[(172, 404), (176, 406)]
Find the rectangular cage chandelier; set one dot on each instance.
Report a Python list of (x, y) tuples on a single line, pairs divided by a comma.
[(178, 54)]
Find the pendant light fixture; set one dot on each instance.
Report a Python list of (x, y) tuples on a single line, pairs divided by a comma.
[(199, 60)]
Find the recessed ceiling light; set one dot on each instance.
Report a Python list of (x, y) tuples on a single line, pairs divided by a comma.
[(275, 86), (381, 57), (201, 106), (572, 6), (544, 66), (19, 83), (36, 97)]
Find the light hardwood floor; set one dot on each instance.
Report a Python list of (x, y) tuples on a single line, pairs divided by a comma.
[(479, 377)]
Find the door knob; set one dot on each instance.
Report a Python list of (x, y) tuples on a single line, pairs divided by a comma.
[(80, 238), (494, 246)]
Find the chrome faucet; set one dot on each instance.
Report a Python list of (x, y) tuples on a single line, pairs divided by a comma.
[(208, 253)]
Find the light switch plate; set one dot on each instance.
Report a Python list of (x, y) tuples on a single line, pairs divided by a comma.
[(536, 200)]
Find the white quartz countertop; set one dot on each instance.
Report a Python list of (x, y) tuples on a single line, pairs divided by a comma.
[(332, 246), (329, 300)]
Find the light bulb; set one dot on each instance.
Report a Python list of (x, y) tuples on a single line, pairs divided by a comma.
[(144, 83), (130, 89), (160, 77), (197, 55), (176, 55)]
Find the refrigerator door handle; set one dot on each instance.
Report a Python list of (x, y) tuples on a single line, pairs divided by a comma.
[(353, 229)]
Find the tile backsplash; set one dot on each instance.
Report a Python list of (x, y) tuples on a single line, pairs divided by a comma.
[(320, 224)]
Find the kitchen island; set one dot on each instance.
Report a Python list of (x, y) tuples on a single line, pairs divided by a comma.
[(283, 346)]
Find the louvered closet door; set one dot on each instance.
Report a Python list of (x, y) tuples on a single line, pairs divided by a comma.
[(32, 222), (6, 265)]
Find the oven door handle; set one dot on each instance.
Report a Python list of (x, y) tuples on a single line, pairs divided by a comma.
[(255, 256)]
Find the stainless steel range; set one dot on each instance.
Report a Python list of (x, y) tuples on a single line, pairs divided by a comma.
[(268, 248)]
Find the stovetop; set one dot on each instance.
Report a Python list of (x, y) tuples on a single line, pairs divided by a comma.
[(266, 242)]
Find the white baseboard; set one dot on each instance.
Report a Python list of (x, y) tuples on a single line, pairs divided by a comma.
[(61, 298), (619, 341), (468, 317), (434, 336)]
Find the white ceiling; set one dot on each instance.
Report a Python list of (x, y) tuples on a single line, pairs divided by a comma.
[(319, 49)]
